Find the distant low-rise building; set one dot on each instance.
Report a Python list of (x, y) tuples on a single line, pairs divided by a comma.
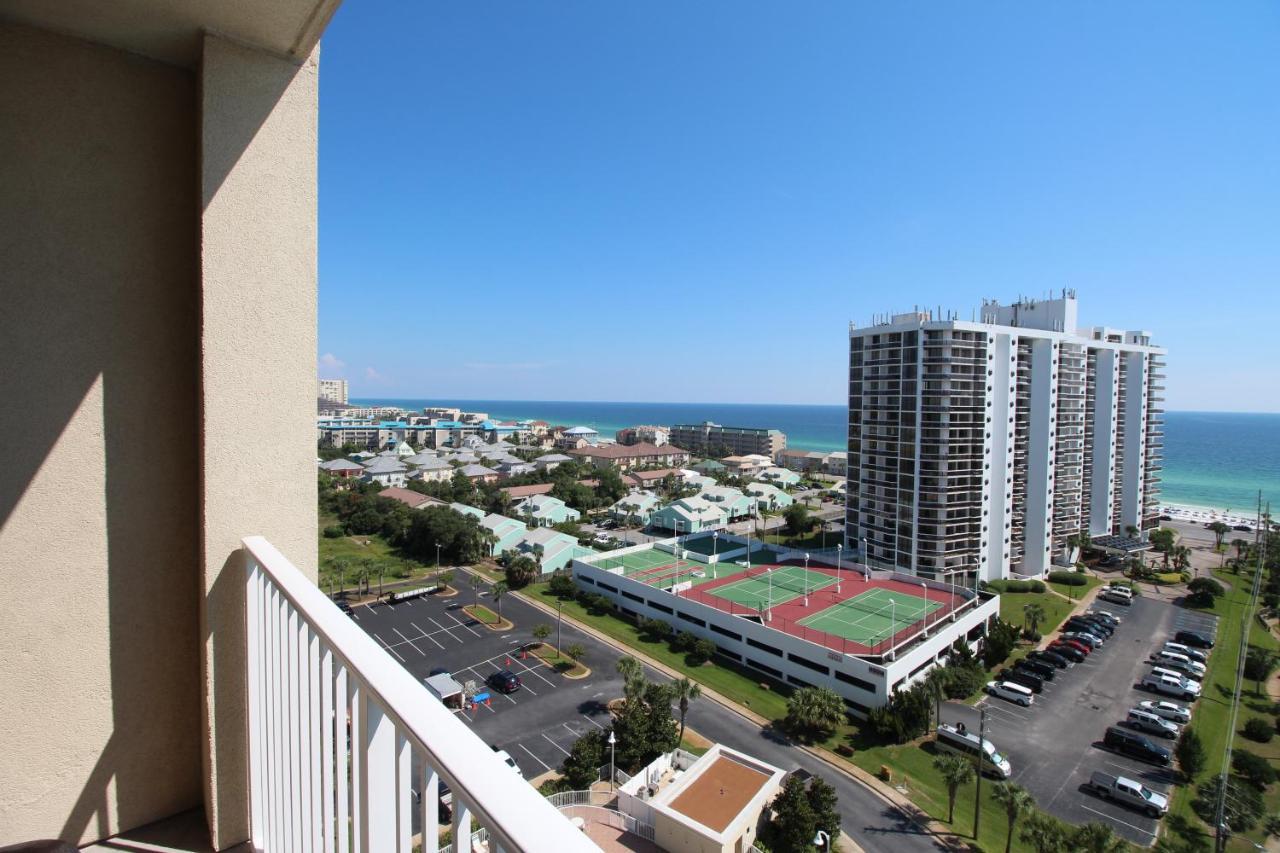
[(708, 437), (734, 503), (410, 498), (625, 457), (431, 470), (746, 466), (780, 476), (656, 435), (342, 468), (333, 390), (578, 436), (689, 515), (385, 471), (551, 549), (818, 461), (768, 496), (551, 461), (544, 510), (649, 479), (515, 468), (479, 473), (507, 532), (467, 509)]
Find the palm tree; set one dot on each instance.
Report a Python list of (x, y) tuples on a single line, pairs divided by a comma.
[(686, 691), (935, 684), (1097, 838), (1239, 545), (1017, 801), (1181, 557), (476, 584), (1219, 531), (632, 676), (1045, 833), (954, 770), (1131, 531), (341, 566), (498, 590), (1032, 615)]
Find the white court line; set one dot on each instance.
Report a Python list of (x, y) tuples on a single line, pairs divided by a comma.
[(388, 648), (410, 642), (534, 757), (592, 722), (1118, 820), (425, 634), (556, 745), (442, 628)]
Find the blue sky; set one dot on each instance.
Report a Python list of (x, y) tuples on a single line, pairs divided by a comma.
[(689, 201)]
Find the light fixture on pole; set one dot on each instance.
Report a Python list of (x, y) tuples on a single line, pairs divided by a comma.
[(806, 580), (715, 541), (839, 557), (768, 574), (822, 839), (924, 586), (612, 773), (866, 559)]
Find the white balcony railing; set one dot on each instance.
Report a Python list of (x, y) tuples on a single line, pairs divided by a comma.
[(347, 750)]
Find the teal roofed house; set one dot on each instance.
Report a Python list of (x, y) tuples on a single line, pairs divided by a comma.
[(635, 508), (544, 510), (769, 496), (689, 515), (477, 514), (734, 503), (552, 549), (508, 531), (780, 476)]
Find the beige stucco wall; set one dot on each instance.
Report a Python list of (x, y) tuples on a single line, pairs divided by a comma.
[(99, 665), (258, 344)]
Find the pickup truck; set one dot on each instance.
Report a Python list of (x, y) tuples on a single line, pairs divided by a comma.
[(1129, 793)]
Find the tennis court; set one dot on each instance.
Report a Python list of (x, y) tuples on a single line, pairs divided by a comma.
[(871, 616), (783, 584)]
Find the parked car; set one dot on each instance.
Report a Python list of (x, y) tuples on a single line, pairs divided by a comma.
[(1045, 671), (1099, 623), (1148, 723), (959, 740), (1010, 692), (1072, 639), (1128, 792), (504, 681), (506, 758), (1164, 670), (1167, 685), (1029, 680), (343, 605), (1117, 595), (1052, 658), (1136, 746), (1067, 650), (1195, 639), (1110, 618), (1179, 662), (1082, 627), (1244, 528), (1195, 654), (1171, 711)]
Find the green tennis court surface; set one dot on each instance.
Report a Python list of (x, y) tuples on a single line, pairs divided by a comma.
[(783, 584), (872, 616)]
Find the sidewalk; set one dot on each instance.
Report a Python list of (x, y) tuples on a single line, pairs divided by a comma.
[(887, 793)]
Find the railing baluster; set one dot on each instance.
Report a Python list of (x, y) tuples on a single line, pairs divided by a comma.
[(279, 832), (342, 829), (328, 738), (253, 616), (429, 785), (378, 782), (302, 794), (356, 737), (294, 770), (316, 716), (404, 796), (461, 824)]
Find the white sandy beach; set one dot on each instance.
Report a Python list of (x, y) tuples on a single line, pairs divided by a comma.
[(1204, 515)]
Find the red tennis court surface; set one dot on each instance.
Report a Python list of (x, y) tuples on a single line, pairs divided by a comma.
[(786, 616)]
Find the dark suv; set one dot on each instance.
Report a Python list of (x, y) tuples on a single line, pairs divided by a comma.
[(504, 681), (1052, 658), (1047, 671), (1027, 679), (1136, 746), (1194, 639)]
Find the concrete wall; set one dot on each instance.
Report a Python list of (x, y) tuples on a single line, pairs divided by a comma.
[(99, 218)]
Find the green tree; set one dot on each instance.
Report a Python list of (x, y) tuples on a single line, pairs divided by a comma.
[(1097, 838), (794, 824), (1240, 545), (477, 583), (581, 766), (540, 632), (1044, 833), (954, 771), (632, 677), (814, 712), (445, 578), (498, 590), (521, 570), (685, 692), (935, 684), (1220, 530), (1191, 754), (1244, 805), (826, 812), (1032, 615), (999, 643), (576, 651), (798, 519), (645, 727), (1258, 663), (1271, 826), (611, 488), (1017, 801)]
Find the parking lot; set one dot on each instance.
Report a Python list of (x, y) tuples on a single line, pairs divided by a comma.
[(1056, 744), (538, 723)]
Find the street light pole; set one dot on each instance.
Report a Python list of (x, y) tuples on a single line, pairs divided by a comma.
[(806, 580), (715, 542), (925, 587), (437, 564), (613, 774), (559, 605), (977, 797), (866, 557)]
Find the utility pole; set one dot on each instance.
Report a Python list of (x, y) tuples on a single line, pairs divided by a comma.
[(559, 605), (977, 797), (1220, 834)]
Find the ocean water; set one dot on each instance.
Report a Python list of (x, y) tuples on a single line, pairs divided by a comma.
[(1212, 459)]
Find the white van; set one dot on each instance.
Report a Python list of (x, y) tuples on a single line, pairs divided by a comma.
[(1117, 594), (1195, 654), (1157, 669), (1181, 663), (963, 742), (1011, 692), (1149, 723)]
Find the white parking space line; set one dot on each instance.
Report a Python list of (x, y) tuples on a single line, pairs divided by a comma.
[(461, 624), (534, 757), (425, 634), (534, 671), (388, 648), (1118, 820), (442, 628), (571, 731), (592, 722), (410, 642), (556, 745)]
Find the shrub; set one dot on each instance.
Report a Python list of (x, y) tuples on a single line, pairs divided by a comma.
[(654, 629), (844, 750), (1016, 586), (333, 531), (1258, 729), (1206, 585), (562, 586), (700, 652), (1068, 578), (683, 642), (1253, 767)]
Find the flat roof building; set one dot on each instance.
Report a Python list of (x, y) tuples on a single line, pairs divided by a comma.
[(707, 437)]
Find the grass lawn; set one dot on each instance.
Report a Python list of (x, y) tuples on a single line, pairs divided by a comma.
[(560, 663), (1213, 712), (355, 549), (1076, 592), (813, 540), (735, 683), (1055, 608), (482, 613)]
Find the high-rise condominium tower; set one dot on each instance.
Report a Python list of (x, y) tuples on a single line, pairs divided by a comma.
[(987, 446)]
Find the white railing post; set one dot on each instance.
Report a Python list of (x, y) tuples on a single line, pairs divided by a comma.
[(378, 781), (429, 787), (404, 795), (329, 734), (461, 824), (253, 624)]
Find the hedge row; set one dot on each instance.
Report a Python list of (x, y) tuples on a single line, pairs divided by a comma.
[(1016, 586), (1068, 578)]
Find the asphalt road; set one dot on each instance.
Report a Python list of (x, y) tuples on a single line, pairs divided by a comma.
[(539, 723), (1055, 744)]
